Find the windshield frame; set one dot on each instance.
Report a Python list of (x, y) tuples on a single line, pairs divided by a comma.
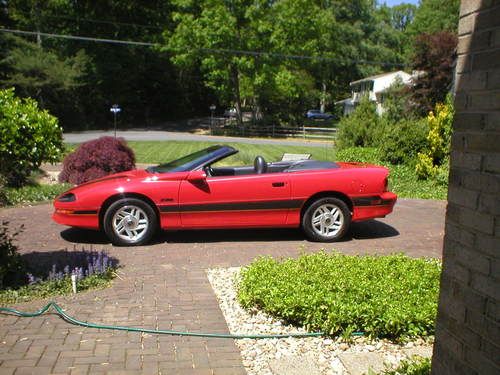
[(195, 161)]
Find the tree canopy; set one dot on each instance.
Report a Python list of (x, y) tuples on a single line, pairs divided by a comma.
[(277, 58)]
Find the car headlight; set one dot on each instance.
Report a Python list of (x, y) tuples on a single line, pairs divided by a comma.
[(68, 197)]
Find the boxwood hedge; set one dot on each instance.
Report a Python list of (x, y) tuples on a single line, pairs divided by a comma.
[(383, 296)]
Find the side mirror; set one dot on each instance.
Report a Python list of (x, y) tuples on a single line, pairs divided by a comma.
[(197, 176)]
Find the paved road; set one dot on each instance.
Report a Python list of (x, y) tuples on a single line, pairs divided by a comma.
[(156, 135), (164, 285)]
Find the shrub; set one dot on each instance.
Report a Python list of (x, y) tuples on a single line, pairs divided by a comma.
[(359, 154), (383, 296), (29, 136), (358, 128), (12, 269), (3, 194), (438, 140), (97, 158), (402, 141)]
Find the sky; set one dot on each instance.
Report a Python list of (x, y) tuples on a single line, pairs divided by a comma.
[(397, 2)]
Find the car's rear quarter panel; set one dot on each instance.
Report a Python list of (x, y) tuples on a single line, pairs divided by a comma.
[(351, 182)]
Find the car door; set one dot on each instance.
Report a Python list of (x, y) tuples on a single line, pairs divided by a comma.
[(254, 200)]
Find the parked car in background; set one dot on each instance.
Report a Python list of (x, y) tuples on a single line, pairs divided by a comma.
[(316, 114), (231, 113), (321, 197)]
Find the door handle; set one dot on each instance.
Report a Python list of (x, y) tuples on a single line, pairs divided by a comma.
[(278, 184)]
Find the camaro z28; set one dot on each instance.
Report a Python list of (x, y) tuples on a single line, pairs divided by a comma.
[(322, 198)]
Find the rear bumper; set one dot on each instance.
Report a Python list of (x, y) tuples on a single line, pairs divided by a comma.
[(373, 206)]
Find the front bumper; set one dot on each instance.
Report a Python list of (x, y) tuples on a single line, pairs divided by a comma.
[(88, 219)]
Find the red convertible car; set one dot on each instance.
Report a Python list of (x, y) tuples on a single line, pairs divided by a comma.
[(191, 193)]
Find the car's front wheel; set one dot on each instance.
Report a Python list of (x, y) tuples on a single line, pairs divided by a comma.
[(326, 220), (129, 222)]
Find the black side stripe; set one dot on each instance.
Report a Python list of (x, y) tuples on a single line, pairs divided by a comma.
[(85, 212), (237, 206), (369, 201)]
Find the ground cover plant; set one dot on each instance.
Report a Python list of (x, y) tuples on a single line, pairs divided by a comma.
[(382, 296), (41, 275), (33, 193), (414, 366)]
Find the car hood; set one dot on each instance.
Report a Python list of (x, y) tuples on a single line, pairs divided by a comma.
[(132, 174)]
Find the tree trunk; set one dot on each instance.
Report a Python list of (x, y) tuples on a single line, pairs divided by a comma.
[(322, 99), (235, 79)]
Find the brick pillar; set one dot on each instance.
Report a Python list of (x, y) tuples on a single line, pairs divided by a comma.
[(468, 324)]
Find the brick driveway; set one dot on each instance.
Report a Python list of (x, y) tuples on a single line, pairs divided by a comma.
[(164, 286)]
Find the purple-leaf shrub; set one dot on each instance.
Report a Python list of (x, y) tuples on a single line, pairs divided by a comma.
[(97, 158)]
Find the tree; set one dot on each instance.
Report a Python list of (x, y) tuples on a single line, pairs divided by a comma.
[(39, 73), (204, 35), (402, 16), (434, 57), (433, 16), (358, 128)]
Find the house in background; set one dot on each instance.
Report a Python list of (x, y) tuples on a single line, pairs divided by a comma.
[(374, 87)]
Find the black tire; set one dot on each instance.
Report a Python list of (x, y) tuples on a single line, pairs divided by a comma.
[(336, 226), (145, 214)]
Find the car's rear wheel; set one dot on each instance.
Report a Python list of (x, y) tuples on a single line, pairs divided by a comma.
[(326, 220), (129, 222)]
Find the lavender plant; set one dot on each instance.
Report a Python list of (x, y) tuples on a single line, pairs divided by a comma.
[(48, 277), (88, 263)]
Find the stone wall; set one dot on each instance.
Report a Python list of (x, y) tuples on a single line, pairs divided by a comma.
[(468, 325)]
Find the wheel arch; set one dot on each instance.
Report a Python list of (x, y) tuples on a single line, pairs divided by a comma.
[(326, 194), (112, 199)]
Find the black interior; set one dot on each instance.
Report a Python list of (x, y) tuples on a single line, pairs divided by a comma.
[(275, 167)]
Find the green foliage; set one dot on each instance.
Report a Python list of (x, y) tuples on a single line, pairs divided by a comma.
[(396, 103), (33, 193), (435, 15), (358, 128), (28, 137), (402, 178), (3, 195), (437, 148), (12, 268), (45, 289), (383, 296), (359, 154), (403, 140), (415, 366)]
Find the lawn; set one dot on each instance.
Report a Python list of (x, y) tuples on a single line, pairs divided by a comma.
[(159, 152)]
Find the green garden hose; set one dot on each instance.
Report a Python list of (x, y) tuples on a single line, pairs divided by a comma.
[(59, 311)]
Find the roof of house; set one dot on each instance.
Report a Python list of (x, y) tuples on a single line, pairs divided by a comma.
[(371, 78)]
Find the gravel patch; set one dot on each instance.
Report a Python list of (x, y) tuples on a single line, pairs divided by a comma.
[(315, 354)]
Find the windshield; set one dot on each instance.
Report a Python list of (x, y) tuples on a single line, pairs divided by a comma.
[(192, 161)]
